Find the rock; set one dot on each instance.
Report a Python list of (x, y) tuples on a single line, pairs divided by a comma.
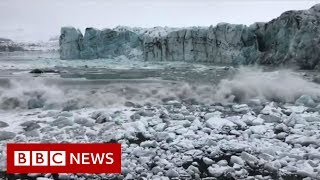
[(222, 163), (156, 170), (177, 116), (171, 173), (259, 129), (303, 140), (219, 123), (63, 176), (241, 108), (174, 103), (272, 167), (84, 122), (217, 171), (101, 117), (270, 118), (30, 125), (129, 104), (210, 115), (146, 113), (32, 133), (135, 116), (190, 117), (7, 135), (40, 71), (258, 121), (294, 119), (251, 160), (254, 102), (62, 122), (3, 124), (42, 178), (305, 100), (281, 128), (193, 170), (36, 71), (236, 160), (65, 114), (148, 144), (207, 161)]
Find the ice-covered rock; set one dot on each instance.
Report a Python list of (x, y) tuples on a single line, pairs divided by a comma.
[(30, 125), (251, 160), (7, 135), (207, 161), (236, 160), (101, 117), (171, 173), (148, 144), (219, 123), (259, 129), (217, 171), (7, 45), (61, 122), (241, 108), (84, 121), (3, 124)]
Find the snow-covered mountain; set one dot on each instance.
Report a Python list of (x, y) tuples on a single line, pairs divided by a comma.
[(7, 45)]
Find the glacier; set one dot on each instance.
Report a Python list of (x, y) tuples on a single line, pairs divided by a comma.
[(291, 39)]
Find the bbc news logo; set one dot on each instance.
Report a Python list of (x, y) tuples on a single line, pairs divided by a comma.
[(39, 158), (63, 158)]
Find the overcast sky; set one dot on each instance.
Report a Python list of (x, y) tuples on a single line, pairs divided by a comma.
[(41, 19)]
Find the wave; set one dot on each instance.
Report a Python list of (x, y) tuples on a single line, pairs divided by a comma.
[(252, 82), (246, 83)]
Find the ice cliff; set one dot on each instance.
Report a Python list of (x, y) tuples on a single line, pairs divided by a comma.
[(293, 38)]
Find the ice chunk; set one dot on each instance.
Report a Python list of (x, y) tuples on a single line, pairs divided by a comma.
[(219, 123)]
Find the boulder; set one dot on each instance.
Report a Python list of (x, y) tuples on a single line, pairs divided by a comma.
[(7, 135), (3, 124)]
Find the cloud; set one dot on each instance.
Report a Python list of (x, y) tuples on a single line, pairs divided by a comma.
[(41, 19)]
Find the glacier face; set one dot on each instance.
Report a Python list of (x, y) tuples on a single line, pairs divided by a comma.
[(292, 38), (69, 42), (225, 43)]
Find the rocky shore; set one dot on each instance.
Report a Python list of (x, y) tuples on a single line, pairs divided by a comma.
[(183, 140)]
